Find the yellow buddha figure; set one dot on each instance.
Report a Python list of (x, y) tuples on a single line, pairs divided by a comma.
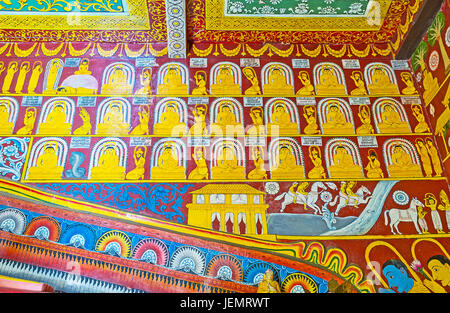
[(199, 127), (145, 79), (225, 82), (250, 73), (373, 167), (227, 166), (259, 172), (434, 155), (55, 122), (86, 127), (6, 127), (144, 118), (53, 71), (201, 170), (364, 115), (168, 167), (28, 120), (139, 161), (258, 127), (83, 68), (13, 67), (335, 122), (286, 166), (113, 121), (316, 159), (169, 122), (343, 165), (381, 83), (46, 167), (308, 88), (268, 284), (35, 75), (408, 80), (391, 121), (281, 123), (81, 82), (117, 83), (360, 89), (25, 67), (424, 157), (277, 82), (200, 81), (108, 167), (402, 165), (422, 126), (310, 115), (226, 123), (329, 84), (173, 82)]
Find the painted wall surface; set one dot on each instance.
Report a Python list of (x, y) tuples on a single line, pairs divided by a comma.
[(126, 171)]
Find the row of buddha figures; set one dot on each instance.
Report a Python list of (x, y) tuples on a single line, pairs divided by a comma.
[(283, 158), (223, 117), (225, 78)]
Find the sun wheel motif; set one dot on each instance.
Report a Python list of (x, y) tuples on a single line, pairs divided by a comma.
[(255, 272), (79, 236), (299, 283), (12, 220), (44, 227), (115, 243), (151, 250), (225, 266), (189, 259)]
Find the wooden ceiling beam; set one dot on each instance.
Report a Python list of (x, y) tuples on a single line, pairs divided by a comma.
[(421, 23)]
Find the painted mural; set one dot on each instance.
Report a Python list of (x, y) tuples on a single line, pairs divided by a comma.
[(243, 168)]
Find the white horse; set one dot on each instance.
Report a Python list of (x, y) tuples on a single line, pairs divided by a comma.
[(345, 200), (403, 215), (307, 200)]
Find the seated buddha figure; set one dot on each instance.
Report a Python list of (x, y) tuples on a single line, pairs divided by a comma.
[(277, 82), (6, 127), (224, 84), (46, 166), (402, 165), (113, 121), (335, 122), (391, 121), (310, 115), (168, 167), (226, 123), (364, 115), (308, 88), (286, 166), (227, 166), (343, 165), (258, 128), (81, 82), (281, 123), (328, 84), (108, 167), (117, 83), (169, 122), (199, 127), (173, 82), (422, 125), (55, 122), (381, 83)]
